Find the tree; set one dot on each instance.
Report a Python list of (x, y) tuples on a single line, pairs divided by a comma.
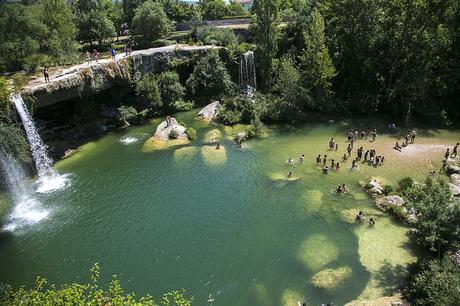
[(59, 40), (148, 93), (150, 23), (288, 83), (92, 21), (210, 79), (235, 9), (213, 9), (316, 64), (129, 9), (171, 89), (265, 28), (115, 13), (20, 35), (438, 217), (434, 282)]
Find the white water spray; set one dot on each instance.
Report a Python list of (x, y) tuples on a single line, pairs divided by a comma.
[(26, 209), (248, 73), (48, 179)]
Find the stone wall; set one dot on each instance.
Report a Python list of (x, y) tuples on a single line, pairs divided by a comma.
[(86, 79)]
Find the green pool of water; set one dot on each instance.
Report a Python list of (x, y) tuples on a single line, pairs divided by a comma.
[(224, 223)]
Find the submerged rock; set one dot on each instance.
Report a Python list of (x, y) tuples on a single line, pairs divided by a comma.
[(241, 136), (455, 179), (395, 300), (210, 111), (387, 201), (331, 278), (170, 128)]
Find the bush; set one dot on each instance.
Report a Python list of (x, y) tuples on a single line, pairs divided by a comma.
[(171, 90), (163, 43), (5, 105), (387, 189), (237, 109), (129, 115), (148, 93), (173, 134), (191, 133), (183, 105), (209, 35), (435, 282), (150, 23), (405, 183), (13, 141), (210, 79), (83, 294), (35, 61)]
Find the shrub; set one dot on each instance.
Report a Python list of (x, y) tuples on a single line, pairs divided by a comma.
[(210, 79), (434, 282), (163, 43), (129, 115), (5, 105), (35, 61), (13, 141), (191, 133), (387, 189), (237, 109), (405, 183), (83, 294), (183, 105), (171, 90), (147, 91), (150, 23), (173, 134), (209, 35)]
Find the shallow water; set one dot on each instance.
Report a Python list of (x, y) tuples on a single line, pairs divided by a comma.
[(225, 222)]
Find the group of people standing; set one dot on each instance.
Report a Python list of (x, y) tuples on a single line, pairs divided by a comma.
[(408, 139), (448, 155)]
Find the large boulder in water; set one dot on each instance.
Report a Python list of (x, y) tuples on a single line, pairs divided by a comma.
[(452, 169), (375, 188), (455, 189), (170, 128), (210, 111), (389, 201), (331, 279), (455, 179)]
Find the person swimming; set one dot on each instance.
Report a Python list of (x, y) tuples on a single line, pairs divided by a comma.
[(318, 159), (344, 157), (218, 146), (353, 164), (326, 170), (290, 161), (344, 188), (302, 158), (360, 216), (339, 189), (332, 163), (325, 160), (289, 175), (337, 166), (371, 222)]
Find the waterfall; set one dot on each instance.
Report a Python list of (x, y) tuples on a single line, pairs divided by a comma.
[(26, 209), (42, 161), (248, 73), (48, 179)]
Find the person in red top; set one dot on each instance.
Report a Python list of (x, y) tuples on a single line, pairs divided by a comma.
[(96, 55)]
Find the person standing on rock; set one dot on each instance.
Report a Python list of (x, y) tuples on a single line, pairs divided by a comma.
[(447, 154), (46, 74), (455, 150), (96, 55), (112, 51)]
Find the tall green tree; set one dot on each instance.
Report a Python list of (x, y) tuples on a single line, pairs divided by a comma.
[(316, 63), (150, 23), (59, 40), (21, 33), (213, 9), (92, 21), (265, 28), (129, 9)]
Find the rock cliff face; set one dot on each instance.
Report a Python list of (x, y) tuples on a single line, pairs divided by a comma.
[(85, 79)]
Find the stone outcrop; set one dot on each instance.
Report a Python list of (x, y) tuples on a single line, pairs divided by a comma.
[(210, 111), (455, 184), (86, 79), (168, 128), (452, 169), (387, 201), (395, 300), (375, 188)]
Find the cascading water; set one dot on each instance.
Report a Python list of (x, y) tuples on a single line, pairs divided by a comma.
[(49, 180), (26, 209), (248, 73)]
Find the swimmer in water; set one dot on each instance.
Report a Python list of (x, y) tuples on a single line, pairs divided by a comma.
[(371, 222), (318, 159), (302, 158), (360, 216), (290, 161), (289, 174), (218, 146)]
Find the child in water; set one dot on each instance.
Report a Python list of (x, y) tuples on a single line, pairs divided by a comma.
[(326, 170), (302, 157)]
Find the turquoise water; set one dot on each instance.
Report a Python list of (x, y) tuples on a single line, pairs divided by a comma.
[(226, 223)]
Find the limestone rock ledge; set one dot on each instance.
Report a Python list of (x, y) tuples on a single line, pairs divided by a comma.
[(210, 111), (395, 300), (168, 127), (86, 79)]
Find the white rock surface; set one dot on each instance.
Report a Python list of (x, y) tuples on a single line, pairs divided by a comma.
[(210, 111), (387, 201), (165, 127)]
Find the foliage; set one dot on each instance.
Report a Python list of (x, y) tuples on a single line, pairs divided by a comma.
[(183, 105), (214, 36), (150, 23), (5, 105), (163, 43), (91, 293), (184, 12), (434, 282), (171, 90), (93, 21), (213, 9), (438, 215), (236, 9), (405, 183), (256, 129), (13, 141), (191, 133), (173, 134), (288, 83), (265, 28), (148, 92), (387, 189), (210, 79), (237, 109), (129, 115), (317, 67)]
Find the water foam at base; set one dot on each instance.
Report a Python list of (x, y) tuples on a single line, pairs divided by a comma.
[(52, 183), (26, 212), (133, 138)]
